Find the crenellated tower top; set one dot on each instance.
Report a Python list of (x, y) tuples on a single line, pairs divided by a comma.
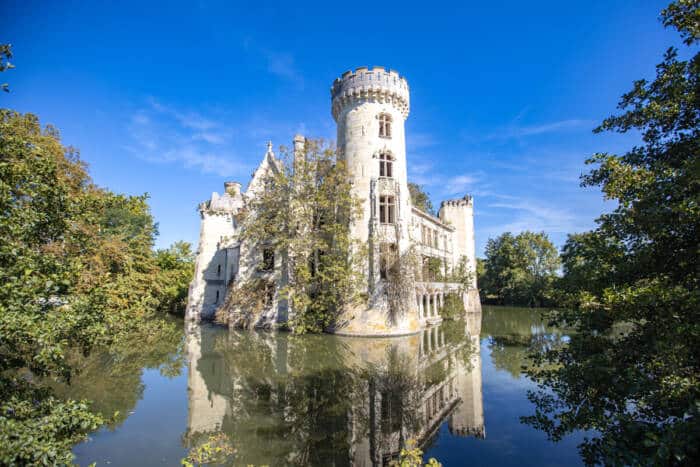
[(375, 85), (465, 201)]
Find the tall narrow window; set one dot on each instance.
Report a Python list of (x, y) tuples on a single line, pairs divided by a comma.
[(385, 125), (268, 259), (217, 297), (386, 166), (218, 271), (387, 209)]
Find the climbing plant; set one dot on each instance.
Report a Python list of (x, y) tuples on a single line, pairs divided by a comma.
[(400, 286)]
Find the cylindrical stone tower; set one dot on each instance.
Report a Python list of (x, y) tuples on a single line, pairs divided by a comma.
[(370, 107)]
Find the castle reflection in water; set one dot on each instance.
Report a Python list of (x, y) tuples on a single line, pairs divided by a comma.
[(332, 400)]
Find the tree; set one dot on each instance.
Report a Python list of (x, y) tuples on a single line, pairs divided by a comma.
[(520, 270), (5, 56), (77, 272), (480, 269), (304, 213), (420, 198), (176, 267), (630, 373)]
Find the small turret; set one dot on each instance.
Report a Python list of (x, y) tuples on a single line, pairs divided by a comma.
[(299, 142), (232, 188), (459, 213), (375, 85)]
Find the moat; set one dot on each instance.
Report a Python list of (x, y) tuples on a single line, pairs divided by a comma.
[(327, 400)]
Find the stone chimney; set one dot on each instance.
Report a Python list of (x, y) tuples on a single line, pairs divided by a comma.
[(299, 153)]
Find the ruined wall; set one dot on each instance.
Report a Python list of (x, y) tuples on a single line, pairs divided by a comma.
[(459, 213), (216, 263)]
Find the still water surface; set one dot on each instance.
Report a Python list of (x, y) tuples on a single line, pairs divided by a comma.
[(327, 400)]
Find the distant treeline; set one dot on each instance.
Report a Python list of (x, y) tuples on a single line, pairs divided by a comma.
[(527, 270)]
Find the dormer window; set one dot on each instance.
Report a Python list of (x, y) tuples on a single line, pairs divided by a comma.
[(384, 126), (386, 165)]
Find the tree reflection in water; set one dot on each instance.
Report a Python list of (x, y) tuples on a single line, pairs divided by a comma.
[(331, 400), (514, 333), (112, 378)]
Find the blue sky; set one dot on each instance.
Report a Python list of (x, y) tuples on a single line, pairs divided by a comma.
[(174, 99)]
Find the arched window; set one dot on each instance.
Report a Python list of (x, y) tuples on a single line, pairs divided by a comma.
[(385, 125), (386, 165), (387, 209)]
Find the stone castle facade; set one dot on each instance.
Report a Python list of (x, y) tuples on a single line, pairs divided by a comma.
[(370, 107)]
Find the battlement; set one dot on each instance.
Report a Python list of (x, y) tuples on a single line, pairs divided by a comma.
[(466, 201), (374, 85)]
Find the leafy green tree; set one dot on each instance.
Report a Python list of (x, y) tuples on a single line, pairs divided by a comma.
[(520, 270), (480, 269), (38, 184), (77, 272), (5, 56), (304, 213), (420, 198), (631, 372), (590, 262), (176, 267)]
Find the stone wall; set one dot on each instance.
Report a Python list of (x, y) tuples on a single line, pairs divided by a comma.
[(215, 265), (459, 214)]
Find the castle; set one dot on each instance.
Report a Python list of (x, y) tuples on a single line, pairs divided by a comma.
[(370, 107)]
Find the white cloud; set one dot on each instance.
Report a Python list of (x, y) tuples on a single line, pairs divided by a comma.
[(518, 131), (209, 137), (420, 140), (187, 119), (165, 134), (459, 185), (282, 64), (420, 173), (278, 63), (535, 216)]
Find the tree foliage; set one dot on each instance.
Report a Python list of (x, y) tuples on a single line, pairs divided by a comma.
[(176, 267), (420, 198), (520, 269), (630, 373), (77, 271), (304, 214), (5, 56)]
